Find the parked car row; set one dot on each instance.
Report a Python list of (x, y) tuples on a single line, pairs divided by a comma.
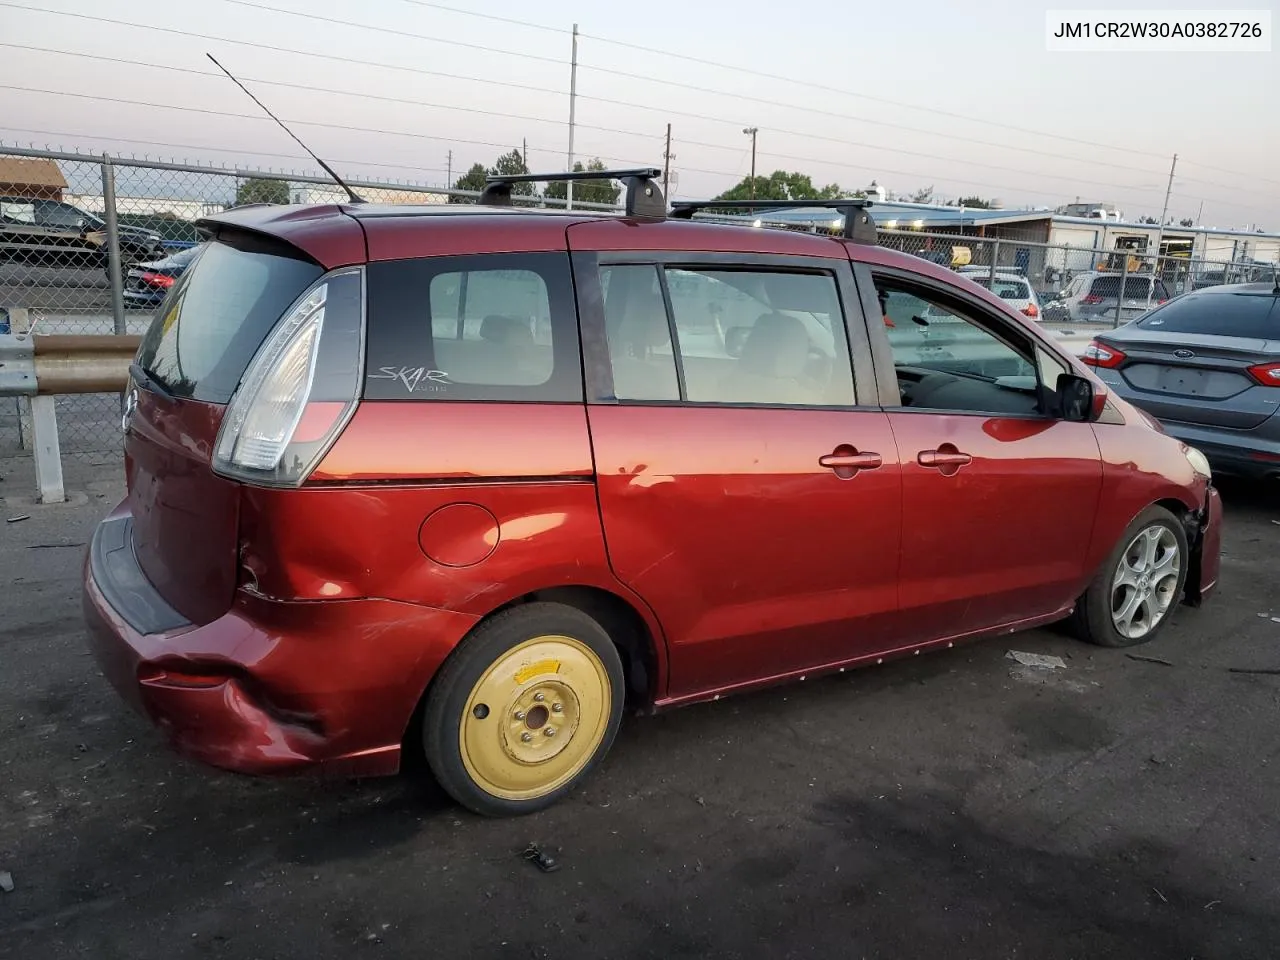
[(50, 232), (469, 480)]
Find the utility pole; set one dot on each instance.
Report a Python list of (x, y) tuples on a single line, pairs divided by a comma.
[(448, 182), (524, 153), (1164, 215), (667, 157), (573, 103), (751, 132)]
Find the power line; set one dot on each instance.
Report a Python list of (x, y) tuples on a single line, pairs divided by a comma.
[(798, 134), (705, 117), (884, 123), (625, 103), (151, 28), (301, 86), (112, 138), (255, 117), (489, 16), (816, 86), (614, 130), (398, 33)]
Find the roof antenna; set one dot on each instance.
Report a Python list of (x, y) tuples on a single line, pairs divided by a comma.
[(355, 197)]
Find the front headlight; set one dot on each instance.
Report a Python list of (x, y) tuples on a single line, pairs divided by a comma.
[(1199, 462)]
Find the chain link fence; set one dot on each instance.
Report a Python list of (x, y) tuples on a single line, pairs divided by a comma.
[(60, 211)]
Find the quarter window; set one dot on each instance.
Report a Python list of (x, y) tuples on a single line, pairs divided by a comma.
[(499, 327)]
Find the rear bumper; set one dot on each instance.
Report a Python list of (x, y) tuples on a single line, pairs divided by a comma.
[(270, 686)]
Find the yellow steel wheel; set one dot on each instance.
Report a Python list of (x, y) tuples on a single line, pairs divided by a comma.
[(535, 718)]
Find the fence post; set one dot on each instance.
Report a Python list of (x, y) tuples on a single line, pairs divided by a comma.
[(48, 453), (114, 267), (1124, 282), (20, 325)]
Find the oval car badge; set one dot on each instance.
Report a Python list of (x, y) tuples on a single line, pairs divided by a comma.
[(1184, 354)]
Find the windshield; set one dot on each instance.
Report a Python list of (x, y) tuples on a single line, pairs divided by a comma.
[(215, 318), (1250, 315)]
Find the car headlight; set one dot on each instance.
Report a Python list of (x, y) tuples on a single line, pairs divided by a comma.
[(1199, 462)]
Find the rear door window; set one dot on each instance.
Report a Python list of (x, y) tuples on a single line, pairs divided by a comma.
[(216, 317), (494, 327), (1249, 315), (746, 336)]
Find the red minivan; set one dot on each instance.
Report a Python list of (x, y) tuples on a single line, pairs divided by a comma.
[(469, 479)]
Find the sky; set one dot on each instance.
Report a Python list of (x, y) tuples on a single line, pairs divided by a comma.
[(911, 95)]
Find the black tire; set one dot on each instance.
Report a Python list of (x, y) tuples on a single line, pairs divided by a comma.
[(1093, 621), (448, 702)]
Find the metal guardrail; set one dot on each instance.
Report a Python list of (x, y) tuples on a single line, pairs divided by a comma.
[(41, 366)]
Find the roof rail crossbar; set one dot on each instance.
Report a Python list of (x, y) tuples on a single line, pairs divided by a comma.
[(858, 224), (643, 197)]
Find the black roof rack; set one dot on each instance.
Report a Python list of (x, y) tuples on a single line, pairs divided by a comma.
[(643, 196), (858, 225)]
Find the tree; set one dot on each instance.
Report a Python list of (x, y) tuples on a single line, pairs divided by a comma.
[(511, 164), (976, 203), (1188, 222), (473, 179), (923, 195), (262, 190), (588, 191), (781, 185)]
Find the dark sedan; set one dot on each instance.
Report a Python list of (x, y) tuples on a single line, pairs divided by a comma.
[(1207, 365), (146, 284)]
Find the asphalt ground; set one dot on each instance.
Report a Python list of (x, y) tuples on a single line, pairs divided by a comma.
[(951, 805)]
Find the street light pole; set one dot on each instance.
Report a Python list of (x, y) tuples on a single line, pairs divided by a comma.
[(751, 132)]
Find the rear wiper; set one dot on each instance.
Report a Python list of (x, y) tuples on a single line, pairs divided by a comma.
[(149, 380)]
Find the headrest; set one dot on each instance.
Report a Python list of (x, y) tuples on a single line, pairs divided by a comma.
[(777, 346), (499, 329), (644, 327)]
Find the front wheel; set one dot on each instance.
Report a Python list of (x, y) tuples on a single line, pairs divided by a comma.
[(1131, 598), (524, 709)]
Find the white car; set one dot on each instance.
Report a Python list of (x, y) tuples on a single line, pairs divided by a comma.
[(1013, 288)]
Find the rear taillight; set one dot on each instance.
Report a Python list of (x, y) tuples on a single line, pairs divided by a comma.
[(1031, 310), (157, 279), (1102, 355), (1267, 374), (301, 388), (1091, 298)]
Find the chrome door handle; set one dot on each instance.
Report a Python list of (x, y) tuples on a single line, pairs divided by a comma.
[(858, 461), (947, 460), (939, 458)]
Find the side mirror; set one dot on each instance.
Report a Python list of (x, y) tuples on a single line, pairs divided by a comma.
[(1076, 397)]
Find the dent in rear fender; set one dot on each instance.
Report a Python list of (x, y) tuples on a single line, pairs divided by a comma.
[(354, 542)]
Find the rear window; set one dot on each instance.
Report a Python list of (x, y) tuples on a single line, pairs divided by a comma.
[(1004, 289), (1134, 288), (1224, 314), (495, 327), (206, 332)]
